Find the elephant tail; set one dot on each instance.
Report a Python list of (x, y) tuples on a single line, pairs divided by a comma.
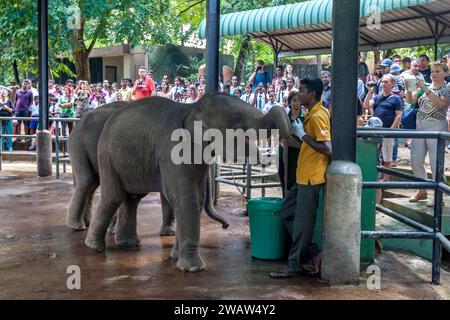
[(209, 204)]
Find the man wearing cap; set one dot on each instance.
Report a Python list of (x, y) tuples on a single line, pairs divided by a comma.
[(385, 68)]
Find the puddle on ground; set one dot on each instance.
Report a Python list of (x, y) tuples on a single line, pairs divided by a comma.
[(18, 192)]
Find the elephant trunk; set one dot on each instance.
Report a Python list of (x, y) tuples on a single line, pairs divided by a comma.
[(209, 202), (277, 118)]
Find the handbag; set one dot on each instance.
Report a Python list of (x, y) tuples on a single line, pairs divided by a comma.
[(409, 117), (410, 113)]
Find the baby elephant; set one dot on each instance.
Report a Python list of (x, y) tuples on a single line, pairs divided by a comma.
[(134, 158)]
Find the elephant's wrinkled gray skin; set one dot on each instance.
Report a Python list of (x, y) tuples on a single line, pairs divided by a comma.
[(83, 150), (83, 143), (134, 156)]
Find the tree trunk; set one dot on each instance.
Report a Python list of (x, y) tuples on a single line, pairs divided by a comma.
[(16, 72), (81, 59), (376, 58), (387, 53), (239, 70)]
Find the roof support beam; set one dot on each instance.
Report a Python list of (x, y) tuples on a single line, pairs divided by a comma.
[(367, 38), (433, 16), (271, 36)]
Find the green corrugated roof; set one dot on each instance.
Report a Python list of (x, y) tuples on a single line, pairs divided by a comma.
[(295, 16)]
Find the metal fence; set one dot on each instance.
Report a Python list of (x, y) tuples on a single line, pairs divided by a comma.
[(61, 154), (413, 182)]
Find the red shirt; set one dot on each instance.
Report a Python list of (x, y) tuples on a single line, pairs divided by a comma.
[(145, 91)]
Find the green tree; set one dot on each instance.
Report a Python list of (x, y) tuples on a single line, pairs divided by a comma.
[(103, 22)]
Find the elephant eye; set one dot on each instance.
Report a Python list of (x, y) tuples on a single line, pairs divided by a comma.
[(235, 118)]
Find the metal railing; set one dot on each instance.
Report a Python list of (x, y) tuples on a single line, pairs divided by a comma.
[(61, 155), (423, 232)]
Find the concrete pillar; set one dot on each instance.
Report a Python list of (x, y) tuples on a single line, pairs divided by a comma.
[(44, 153), (341, 236), (127, 66), (319, 65)]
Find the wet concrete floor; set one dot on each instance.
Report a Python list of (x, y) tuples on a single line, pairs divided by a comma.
[(36, 249)]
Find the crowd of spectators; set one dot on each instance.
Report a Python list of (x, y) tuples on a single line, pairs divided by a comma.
[(383, 94)]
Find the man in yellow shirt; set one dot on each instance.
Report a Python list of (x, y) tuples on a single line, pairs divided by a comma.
[(126, 91), (300, 206)]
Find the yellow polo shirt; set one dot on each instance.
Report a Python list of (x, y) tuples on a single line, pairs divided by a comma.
[(311, 165)]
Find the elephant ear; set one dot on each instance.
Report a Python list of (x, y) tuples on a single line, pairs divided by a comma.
[(188, 121)]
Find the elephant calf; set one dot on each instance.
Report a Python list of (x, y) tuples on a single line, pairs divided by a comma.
[(134, 158), (83, 143)]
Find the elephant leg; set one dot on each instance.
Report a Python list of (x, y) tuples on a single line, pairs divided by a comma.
[(174, 254), (112, 195), (112, 224), (79, 213), (87, 212), (187, 214), (168, 217), (126, 224)]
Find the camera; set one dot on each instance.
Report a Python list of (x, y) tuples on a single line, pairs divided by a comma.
[(372, 84), (258, 68)]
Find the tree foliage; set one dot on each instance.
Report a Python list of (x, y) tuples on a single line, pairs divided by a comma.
[(106, 22)]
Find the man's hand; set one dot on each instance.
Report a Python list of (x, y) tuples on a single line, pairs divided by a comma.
[(299, 130)]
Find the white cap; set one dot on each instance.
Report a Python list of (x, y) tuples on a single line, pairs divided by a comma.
[(374, 122)]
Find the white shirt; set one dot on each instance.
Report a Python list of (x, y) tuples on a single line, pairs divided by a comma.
[(260, 99), (190, 100), (111, 98), (34, 110), (247, 97), (269, 106), (173, 91), (35, 92), (94, 104), (287, 92), (280, 96)]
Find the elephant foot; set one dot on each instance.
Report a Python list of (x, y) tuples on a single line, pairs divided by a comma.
[(128, 242), (191, 264), (166, 231), (76, 225), (97, 243), (174, 254)]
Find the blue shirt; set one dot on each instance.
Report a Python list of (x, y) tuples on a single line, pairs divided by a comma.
[(261, 77), (326, 96), (385, 108), (426, 75)]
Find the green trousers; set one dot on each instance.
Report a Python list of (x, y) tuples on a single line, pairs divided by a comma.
[(299, 215)]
